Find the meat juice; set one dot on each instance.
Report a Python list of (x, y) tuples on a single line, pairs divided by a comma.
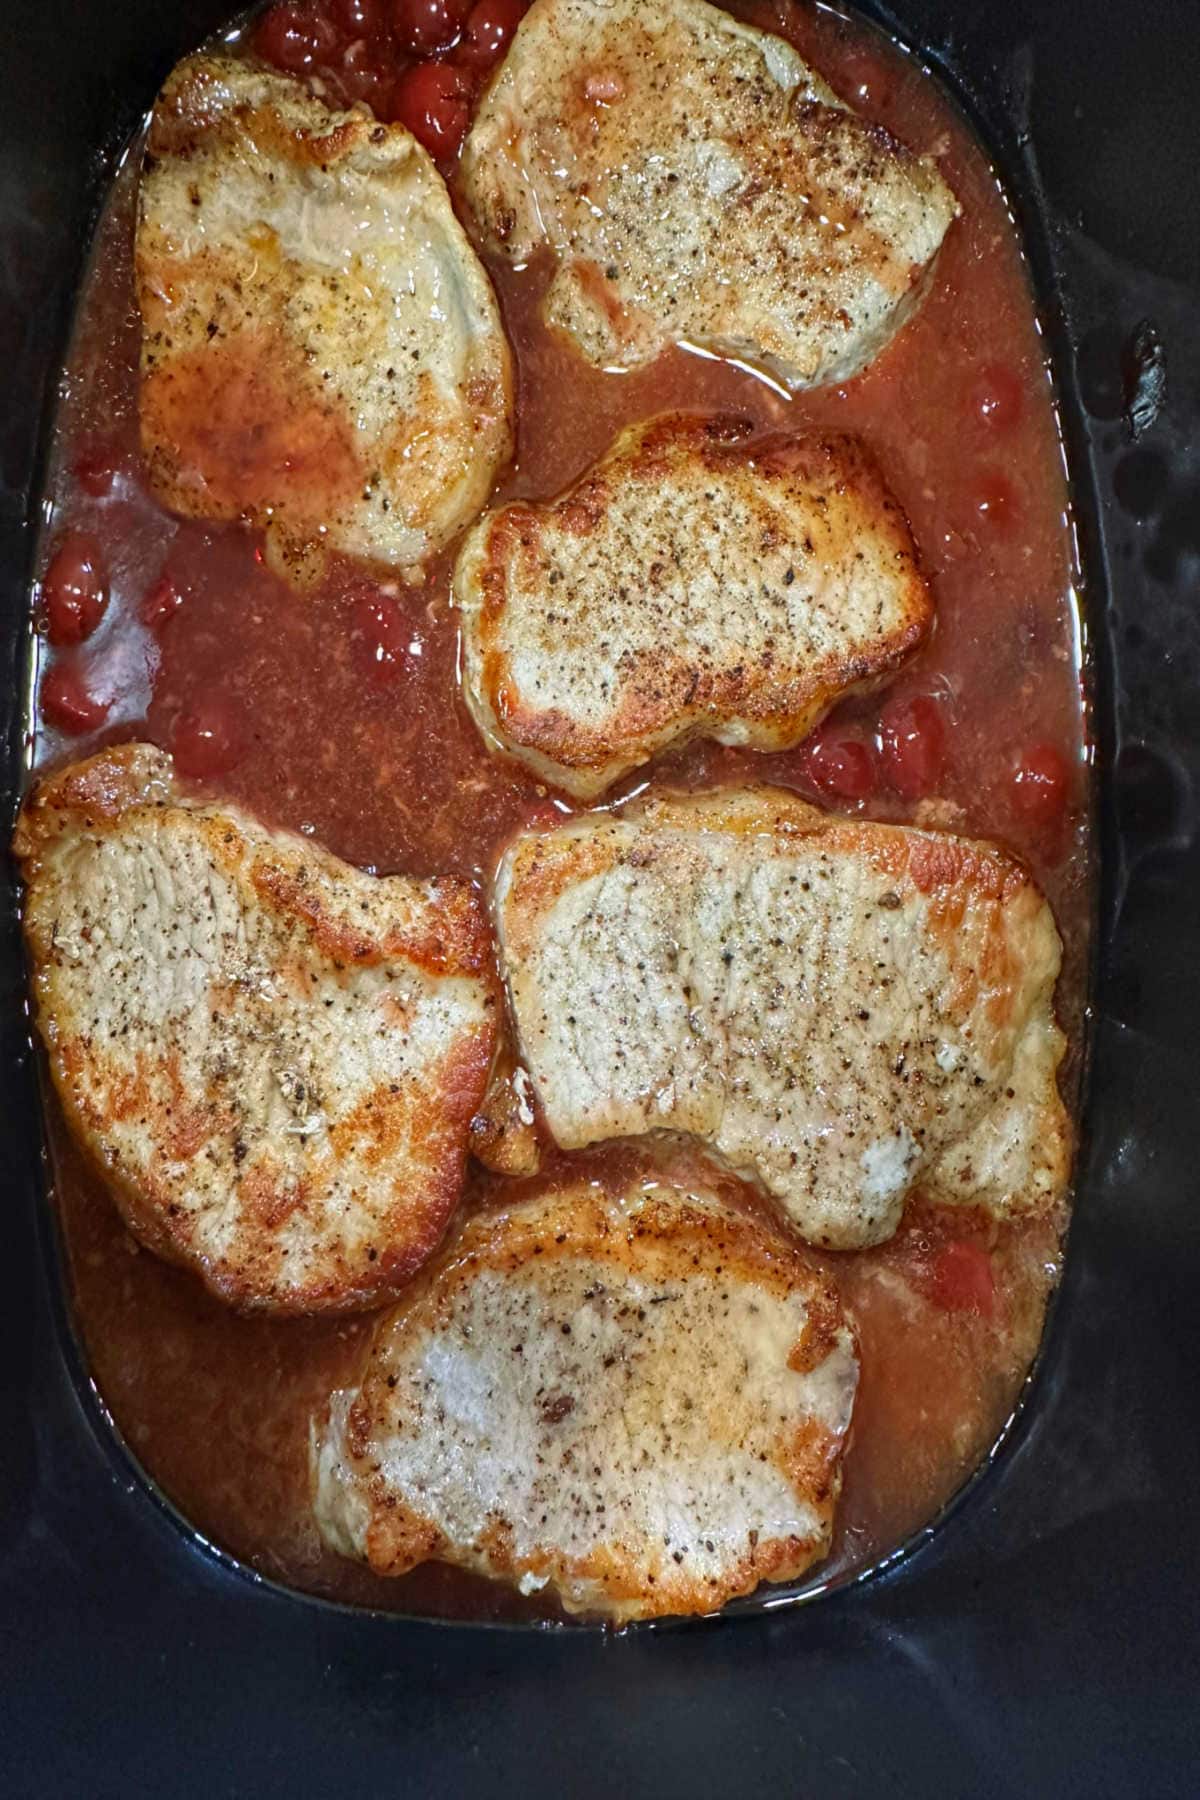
[(338, 713)]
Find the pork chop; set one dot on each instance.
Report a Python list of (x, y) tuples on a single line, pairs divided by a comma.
[(697, 182), (844, 1011), (273, 1057), (321, 353), (694, 582), (638, 1400)]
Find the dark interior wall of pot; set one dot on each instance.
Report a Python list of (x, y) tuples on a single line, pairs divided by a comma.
[(1047, 1640)]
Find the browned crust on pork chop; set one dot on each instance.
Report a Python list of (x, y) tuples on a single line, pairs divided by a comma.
[(637, 1398), (697, 581), (322, 354), (697, 182), (273, 1057)]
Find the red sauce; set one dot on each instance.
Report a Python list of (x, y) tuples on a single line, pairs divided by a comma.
[(338, 713)]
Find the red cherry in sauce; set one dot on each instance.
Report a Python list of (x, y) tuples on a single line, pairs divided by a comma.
[(843, 765), (358, 18), (488, 32), (361, 76), (912, 735), (961, 1279), (994, 501), (427, 25), (67, 701), (433, 101), (997, 397), (161, 602), (74, 589), (207, 738), (295, 38), (1041, 784)]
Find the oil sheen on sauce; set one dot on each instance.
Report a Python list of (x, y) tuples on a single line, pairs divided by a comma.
[(338, 714)]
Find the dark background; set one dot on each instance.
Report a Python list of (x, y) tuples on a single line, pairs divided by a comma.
[(1048, 1640)]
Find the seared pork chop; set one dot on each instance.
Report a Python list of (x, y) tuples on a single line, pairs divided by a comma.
[(322, 351), (843, 1010), (697, 182), (692, 583), (639, 1400), (273, 1057)]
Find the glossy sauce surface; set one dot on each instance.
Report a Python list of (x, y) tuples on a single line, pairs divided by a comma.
[(338, 713)]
